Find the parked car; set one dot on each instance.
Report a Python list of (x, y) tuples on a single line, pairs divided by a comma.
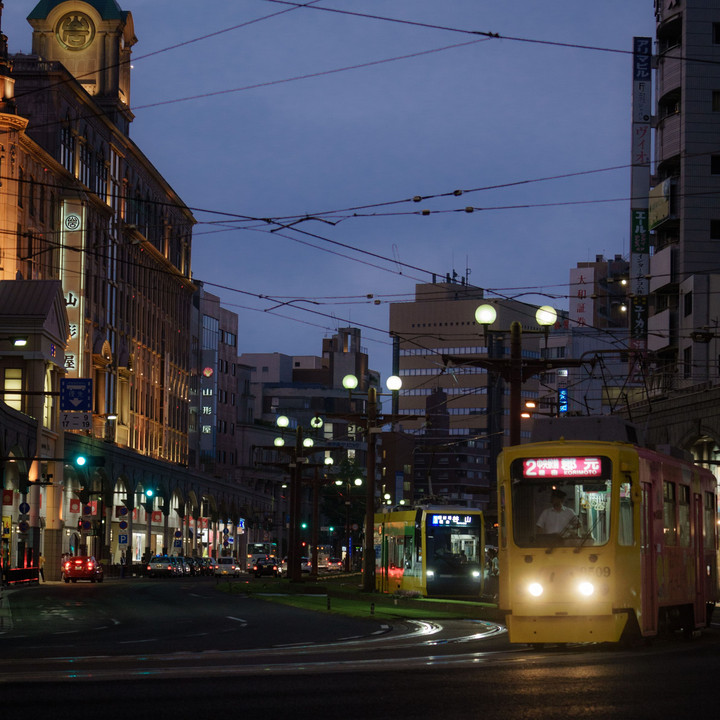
[(265, 567), (305, 564), (227, 566), (82, 567), (162, 565), (334, 564)]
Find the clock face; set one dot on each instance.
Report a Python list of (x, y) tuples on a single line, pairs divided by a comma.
[(207, 372), (75, 31)]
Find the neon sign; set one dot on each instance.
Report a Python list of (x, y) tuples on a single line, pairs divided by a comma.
[(562, 467)]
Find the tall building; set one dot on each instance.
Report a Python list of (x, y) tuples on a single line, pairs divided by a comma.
[(83, 205), (95, 251), (684, 213), (457, 453)]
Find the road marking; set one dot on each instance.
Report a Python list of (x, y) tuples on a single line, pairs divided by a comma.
[(240, 620)]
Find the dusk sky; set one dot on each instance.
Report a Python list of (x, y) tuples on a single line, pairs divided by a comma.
[(256, 110)]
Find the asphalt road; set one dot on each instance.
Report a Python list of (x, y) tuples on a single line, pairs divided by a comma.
[(156, 648)]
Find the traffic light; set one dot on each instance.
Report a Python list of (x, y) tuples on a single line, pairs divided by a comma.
[(82, 460)]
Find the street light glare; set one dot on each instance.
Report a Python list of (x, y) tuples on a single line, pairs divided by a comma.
[(282, 421), (485, 314), (546, 315), (350, 382), (278, 442), (308, 442), (393, 383)]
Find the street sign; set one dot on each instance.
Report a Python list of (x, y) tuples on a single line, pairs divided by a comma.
[(122, 539), (75, 395), (123, 525), (23, 526), (24, 507), (76, 420)]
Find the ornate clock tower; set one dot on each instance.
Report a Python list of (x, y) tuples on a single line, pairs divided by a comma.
[(93, 40)]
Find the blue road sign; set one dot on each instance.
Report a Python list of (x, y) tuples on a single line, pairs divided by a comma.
[(122, 539), (75, 395), (24, 508)]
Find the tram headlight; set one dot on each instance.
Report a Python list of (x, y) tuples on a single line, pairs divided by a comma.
[(535, 589), (430, 574), (586, 588), (476, 574)]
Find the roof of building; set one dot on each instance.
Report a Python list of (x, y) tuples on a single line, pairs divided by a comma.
[(108, 9)]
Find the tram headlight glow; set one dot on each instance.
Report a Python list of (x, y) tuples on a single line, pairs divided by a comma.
[(476, 573), (586, 588), (430, 574), (535, 589)]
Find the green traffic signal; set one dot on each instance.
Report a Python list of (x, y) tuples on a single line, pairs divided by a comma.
[(149, 493), (83, 461)]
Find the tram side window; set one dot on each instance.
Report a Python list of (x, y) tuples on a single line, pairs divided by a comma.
[(709, 522), (683, 516), (411, 566), (626, 530), (669, 522)]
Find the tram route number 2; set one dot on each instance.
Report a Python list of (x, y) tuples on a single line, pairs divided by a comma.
[(75, 420)]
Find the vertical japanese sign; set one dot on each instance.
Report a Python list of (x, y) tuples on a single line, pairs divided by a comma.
[(582, 305), (640, 191), (72, 267)]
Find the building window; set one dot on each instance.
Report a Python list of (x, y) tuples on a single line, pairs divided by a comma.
[(715, 164), (687, 363), (687, 303), (716, 33), (715, 229), (13, 381), (716, 100)]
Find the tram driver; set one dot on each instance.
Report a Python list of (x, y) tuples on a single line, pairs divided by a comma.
[(558, 521)]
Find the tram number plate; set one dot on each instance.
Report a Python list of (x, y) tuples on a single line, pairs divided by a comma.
[(598, 571)]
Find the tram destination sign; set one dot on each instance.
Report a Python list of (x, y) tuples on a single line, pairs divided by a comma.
[(562, 467)]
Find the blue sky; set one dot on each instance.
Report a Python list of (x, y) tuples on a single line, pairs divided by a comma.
[(308, 111)]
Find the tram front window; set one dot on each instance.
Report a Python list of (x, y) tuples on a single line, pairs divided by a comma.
[(555, 506)]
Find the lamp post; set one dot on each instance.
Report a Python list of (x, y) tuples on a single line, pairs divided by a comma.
[(516, 370), (349, 484), (373, 423), (303, 448)]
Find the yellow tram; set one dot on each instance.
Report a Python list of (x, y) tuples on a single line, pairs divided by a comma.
[(599, 541), (431, 551)]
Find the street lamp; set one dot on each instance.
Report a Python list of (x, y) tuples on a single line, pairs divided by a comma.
[(373, 426), (517, 371), (304, 446)]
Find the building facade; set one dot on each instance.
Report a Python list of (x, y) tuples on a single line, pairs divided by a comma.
[(82, 210), (684, 216)]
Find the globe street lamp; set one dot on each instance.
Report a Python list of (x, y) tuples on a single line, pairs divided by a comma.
[(373, 426), (516, 372), (303, 447)]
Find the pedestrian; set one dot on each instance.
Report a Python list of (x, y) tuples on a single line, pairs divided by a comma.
[(122, 564), (41, 566)]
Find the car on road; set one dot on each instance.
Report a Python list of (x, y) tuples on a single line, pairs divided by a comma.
[(82, 567), (334, 564), (227, 566), (305, 564), (163, 566), (265, 566)]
